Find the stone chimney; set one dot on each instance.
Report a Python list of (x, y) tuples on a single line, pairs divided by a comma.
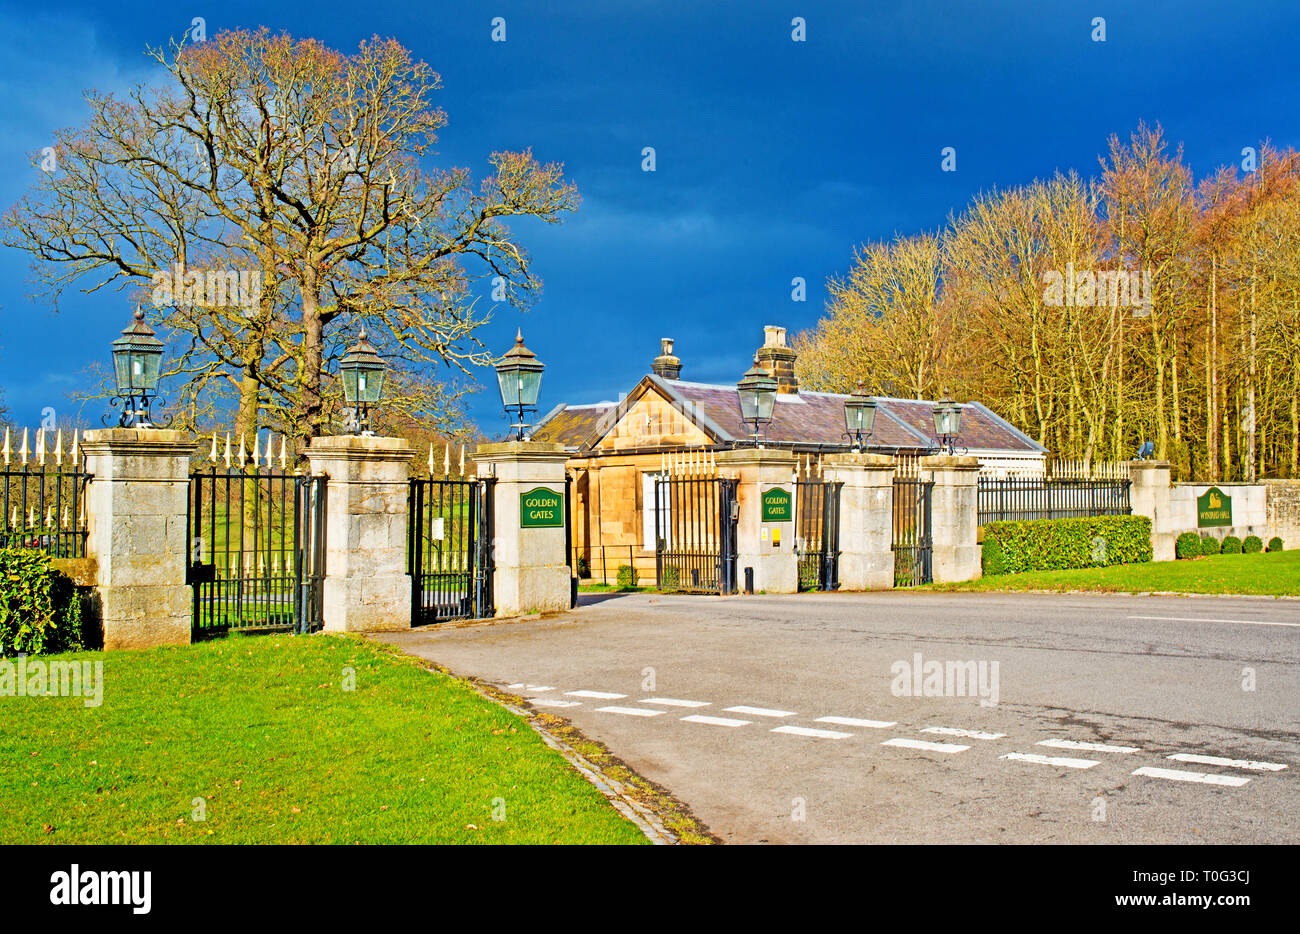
[(666, 365), (778, 359)]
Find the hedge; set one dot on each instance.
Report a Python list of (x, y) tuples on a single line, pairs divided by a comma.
[(1253, 545), (1231, 545), (40, 609), (1209, 545), (1055, 544), (626, 576), (1275, 544)]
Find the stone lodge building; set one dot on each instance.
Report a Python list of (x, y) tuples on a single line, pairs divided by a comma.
[(665, 424)]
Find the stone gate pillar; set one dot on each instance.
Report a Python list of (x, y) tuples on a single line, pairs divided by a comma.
[(1149, 495), (136, 511), (866, 519), (367, 588), (531, 567), (954, 517), (764, 533)]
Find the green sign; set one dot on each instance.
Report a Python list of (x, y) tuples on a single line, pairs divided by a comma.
[(1214, 508), (541, 508), (777, 506)]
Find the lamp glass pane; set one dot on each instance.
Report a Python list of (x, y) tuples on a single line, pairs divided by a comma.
[(148, 373), (954, 420), (122, 369), (374, 385), (349, 375), (748, 404), (508, 379), (530, 386), (766, 399)]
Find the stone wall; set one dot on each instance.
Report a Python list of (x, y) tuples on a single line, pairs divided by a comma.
[(1282, 511)]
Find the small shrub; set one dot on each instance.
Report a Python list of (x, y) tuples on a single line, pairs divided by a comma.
[(1253, 545), (1231, 545), (992, 560), (584, 566), (672, 576), (1274, 544), (1187, 545), (40, 609), (626, 576), (1209, 545)]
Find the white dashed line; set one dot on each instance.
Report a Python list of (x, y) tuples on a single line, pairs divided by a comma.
[(1089, 747), (760, 711), (1230, 763), (923, 744), (597, 695), (553, 702), (1051, 760), (521, 686), (969, 734), (854, 721), (1202, 619), (1177, 775), (631, 711), (713, 721), (674, 702), (806, 731)]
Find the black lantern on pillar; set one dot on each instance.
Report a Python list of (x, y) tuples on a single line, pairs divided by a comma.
[(947, 423), (519, 375), (859, 416), (137, 356), (757, 390), (362, 372)]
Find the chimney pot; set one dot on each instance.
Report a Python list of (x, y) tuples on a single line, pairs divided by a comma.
[(666, 365)]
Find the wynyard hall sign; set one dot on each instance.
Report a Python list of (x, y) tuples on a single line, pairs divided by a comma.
[(1213, 508), (540, 508)]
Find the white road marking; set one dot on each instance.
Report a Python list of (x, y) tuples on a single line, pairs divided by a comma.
[(553, 702), (1177, 775), (597, 695), (1090, 747), (539, 688), (515, 686), (854, 721), (631, 711), (1051, 760), (1230, 763), (1203, 619), (806, 731), (714, 721), (924, 744), (760, 711), (969, 734), (674, 702)]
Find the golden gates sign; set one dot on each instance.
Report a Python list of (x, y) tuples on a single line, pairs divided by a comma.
[(541, 508)]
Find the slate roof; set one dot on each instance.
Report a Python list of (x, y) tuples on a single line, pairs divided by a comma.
[(805, 419)]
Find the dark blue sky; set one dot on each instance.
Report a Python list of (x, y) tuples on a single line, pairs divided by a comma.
[(774, 157)]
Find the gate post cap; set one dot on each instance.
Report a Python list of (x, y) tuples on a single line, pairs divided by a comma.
[(858, 460)]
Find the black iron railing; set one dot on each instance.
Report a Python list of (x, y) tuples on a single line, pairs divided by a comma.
[(817, 533), (1016, 498), (43, 497), (449, 550)]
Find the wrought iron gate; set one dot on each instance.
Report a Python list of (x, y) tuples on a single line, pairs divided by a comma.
[(817, 533), (449, 550), (257, 550), (695, 534), (912, 544)]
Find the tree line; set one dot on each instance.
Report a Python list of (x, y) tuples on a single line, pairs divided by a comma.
[(1096, 314)]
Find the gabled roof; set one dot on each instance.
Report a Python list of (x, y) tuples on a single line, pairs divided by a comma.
[(805, 419)]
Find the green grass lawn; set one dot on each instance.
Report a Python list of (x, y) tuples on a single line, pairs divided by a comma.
[(262, 730), (1276, 574)]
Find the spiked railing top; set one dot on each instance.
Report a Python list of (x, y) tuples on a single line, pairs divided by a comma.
[(42, 451)]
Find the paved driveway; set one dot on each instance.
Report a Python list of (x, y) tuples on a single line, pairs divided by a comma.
[(789, 719)]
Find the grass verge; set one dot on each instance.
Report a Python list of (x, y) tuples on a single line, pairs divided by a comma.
[(260, 735), (1274, 574)]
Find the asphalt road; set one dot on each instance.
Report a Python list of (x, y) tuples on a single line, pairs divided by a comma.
[(1143, 678)]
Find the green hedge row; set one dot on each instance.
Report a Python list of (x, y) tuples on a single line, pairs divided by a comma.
[(40, 609), (1055, 544)]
